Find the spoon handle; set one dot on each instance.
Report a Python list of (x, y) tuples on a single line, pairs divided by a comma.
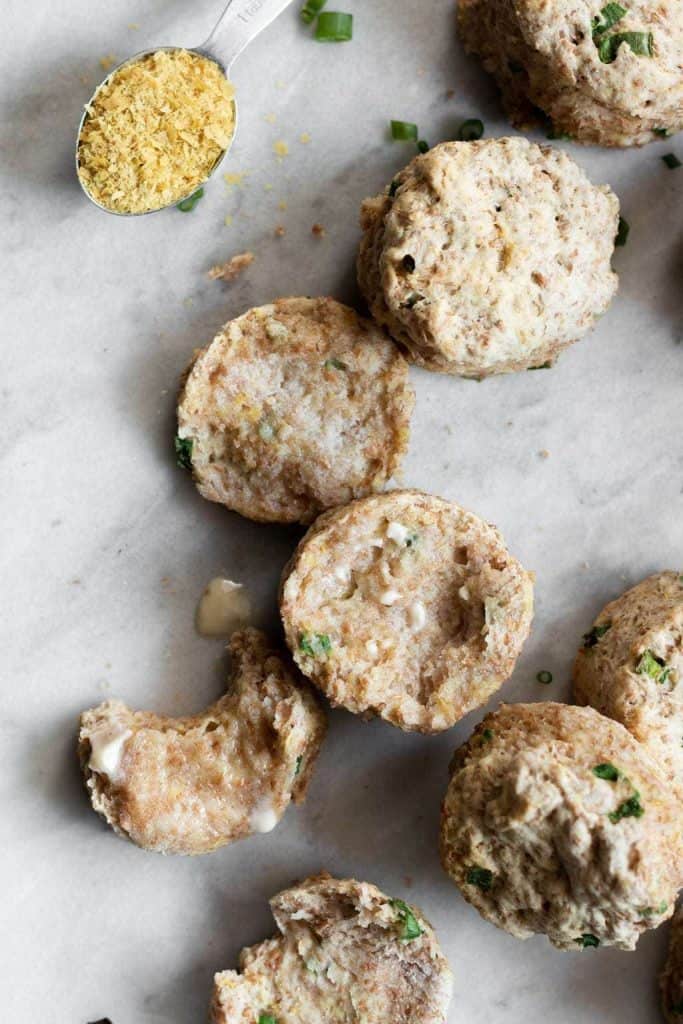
[(240, 22)]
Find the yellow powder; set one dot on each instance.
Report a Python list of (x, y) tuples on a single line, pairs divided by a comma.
[(154, 131), (281, 149)]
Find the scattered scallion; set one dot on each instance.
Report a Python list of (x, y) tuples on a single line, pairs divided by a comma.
[(315, 644), (631, 808), (187, 205), (410, 926), (609, 15), (334, 27), (544, 677), (607, 771), (487, 735), (299, 762), (403, 131), (662, 132), (591, 638), (266, 1018), (423, 147), (310, 9), (587, 940), (671, 161), (481, 877), (183, 452), (392, 188), (335, 364), (471, 130), (639, 42), (649, 664), (408, 263)]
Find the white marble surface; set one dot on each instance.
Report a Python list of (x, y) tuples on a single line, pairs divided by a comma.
[(107, 546)]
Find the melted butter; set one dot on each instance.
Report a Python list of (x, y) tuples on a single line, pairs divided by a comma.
[(106, 751), (223, 607)]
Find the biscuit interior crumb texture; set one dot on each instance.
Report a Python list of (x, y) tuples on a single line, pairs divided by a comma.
[(557, 821), (406, 606), (295, 407), (487, 257), (190, 785), (631, 669), (154, 131), (345, 953), (546, 59), (671, 978)]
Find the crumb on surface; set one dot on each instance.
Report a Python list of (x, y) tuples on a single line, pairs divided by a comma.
[(228, 220), (108, 61), (318, 230), (270, 118), (544, 453), (232, 268), (280, 231), (281, 149), (282, 205), (235, 178), (305, 138)]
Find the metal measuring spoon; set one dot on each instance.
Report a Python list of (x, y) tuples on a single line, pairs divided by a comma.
[(240, 22)]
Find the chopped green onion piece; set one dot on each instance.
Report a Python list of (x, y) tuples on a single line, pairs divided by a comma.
[(411, 928), (403, 131), (315, 644), (183, 452), (481, 877), (650, 665), (487, 735), (591, 638), (412, 300), (586, 940), (408, 263), (310, 9), (544, 677), (631, 808), (543, 366), (334, 27), (651, 911), (639, 42), (299, 762), (471, 130), (607, 771), (334, 364), (608, 16), (392, 188), (662, 132), (622, 232), (266, 1018), (671, 161), (423, 146), (187, 205)]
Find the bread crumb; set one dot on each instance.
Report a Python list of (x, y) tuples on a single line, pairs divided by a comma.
[(235, 178), (450, 93), (280, 231), (270, 118), (281, 149), (233, 268), (108, 62), (133, 26), (318, 231), (282, 205), (268, 187), (305, 138), (228, 220), (544, 453)]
